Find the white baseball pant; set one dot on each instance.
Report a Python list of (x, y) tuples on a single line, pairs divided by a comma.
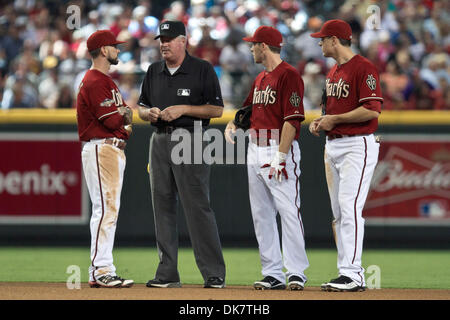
[(103, 167), (349, 166), (269, 196)]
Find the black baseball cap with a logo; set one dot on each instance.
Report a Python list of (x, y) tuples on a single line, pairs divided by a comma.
[(171, 29)]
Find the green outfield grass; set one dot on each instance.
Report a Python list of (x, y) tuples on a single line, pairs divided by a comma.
[(399, 268)]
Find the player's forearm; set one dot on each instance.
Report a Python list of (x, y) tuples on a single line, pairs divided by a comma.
[(359, 114), (288, 133), (127, 114), (206, 111)]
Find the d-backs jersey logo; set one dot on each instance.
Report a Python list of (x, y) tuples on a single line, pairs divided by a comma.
[(295, 99), (371, 82), (266, 96), (341, 89)]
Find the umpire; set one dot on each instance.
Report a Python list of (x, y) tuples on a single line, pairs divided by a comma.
[(176, 92)]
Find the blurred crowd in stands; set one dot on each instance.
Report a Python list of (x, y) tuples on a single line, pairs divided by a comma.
[(43, 54)]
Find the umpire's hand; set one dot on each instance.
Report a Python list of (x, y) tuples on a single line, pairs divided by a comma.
[(154, 114), (172, 113)]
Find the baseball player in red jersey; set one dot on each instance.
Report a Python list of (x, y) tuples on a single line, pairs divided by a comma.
[(273, 163), (350, 118), (102, 118)]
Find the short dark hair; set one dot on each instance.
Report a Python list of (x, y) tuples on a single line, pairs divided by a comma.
[(95, 53), (275, 49), (345, 42)]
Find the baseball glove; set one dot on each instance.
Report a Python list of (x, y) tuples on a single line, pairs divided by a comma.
[(242, 117)]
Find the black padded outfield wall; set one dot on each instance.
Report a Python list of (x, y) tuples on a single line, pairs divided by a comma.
[(43, 200)]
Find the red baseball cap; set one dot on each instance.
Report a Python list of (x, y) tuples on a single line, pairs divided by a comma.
[(337, 28), (268, 35), (101, 38)]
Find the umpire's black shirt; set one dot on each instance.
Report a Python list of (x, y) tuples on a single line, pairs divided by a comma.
[(194, 83)]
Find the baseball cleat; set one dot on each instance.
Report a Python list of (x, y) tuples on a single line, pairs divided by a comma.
[(126, 283), (296, 283), (269, 283), (156, 283), (108, 281), (215, 282), (342, 284)]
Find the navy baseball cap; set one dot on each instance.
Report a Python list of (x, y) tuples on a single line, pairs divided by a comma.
[(171, 29)]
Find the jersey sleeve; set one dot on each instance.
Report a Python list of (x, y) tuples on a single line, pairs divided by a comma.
[(369, 84), (373, 105), (292, 97), (211, 89)]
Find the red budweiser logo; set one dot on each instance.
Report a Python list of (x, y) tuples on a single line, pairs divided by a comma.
[(411, 177), (396, 172)]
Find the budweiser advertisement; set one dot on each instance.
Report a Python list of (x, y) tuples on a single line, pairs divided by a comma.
[(411, 183), (41, 179)]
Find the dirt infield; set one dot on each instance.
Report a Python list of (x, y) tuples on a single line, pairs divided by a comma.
[(59, 291)]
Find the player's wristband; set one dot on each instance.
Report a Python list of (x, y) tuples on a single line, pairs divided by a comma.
[(281, 156)]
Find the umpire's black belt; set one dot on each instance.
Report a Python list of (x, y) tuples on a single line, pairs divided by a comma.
[(170, 129)]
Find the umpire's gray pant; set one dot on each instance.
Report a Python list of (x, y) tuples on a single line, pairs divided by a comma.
[(189, 183)]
